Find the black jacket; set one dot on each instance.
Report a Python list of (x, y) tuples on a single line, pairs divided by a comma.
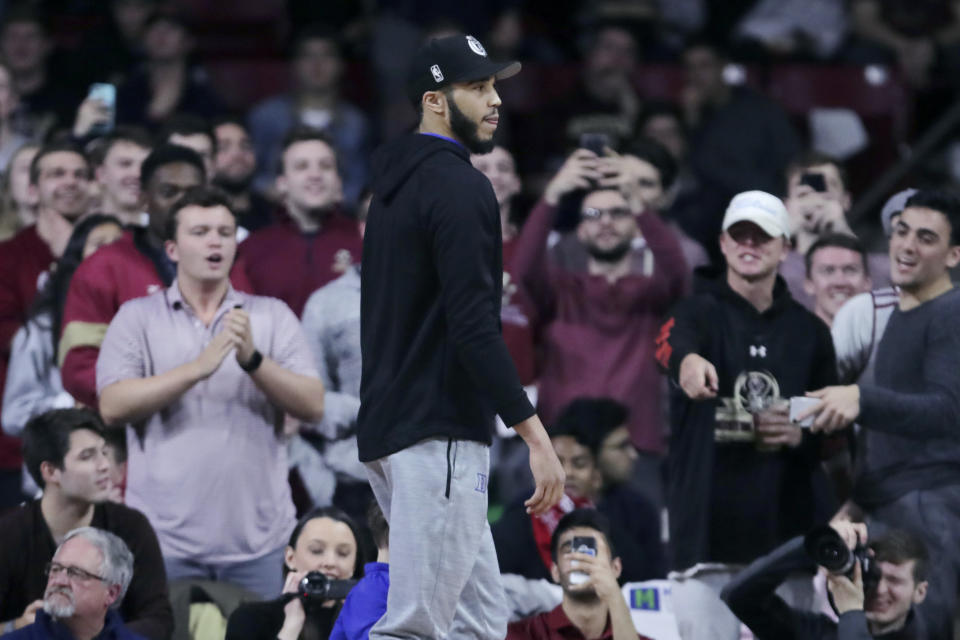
[(750, 595), (729, 502), (434, 362), (263, 621)]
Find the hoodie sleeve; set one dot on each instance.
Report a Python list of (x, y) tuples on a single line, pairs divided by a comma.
[(467, 255), (680, 335), (751, 595)]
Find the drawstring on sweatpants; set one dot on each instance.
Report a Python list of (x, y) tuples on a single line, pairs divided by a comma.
[(449, 467)]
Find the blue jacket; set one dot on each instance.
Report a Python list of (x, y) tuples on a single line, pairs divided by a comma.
[(365, 604), (46, 628)]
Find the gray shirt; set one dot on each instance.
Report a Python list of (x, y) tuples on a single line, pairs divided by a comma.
[(33, 380), (331, 323), (912, 413), (209, 470)]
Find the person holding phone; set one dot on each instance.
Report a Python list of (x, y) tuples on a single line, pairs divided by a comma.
[(586, 567), (599, 322), (818, 201)]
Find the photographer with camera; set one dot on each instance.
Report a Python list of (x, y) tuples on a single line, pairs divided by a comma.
[(321, 564), (874, 586)]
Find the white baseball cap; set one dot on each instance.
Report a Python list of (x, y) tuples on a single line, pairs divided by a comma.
[(763, 209)]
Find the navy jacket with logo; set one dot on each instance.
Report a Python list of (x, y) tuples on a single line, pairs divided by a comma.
[(434, 363), (727, 501)]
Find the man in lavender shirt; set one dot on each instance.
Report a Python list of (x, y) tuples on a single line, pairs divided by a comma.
[(207, 462)]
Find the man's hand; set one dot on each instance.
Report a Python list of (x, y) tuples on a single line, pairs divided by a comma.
[(580, 171), (847, 594), (212, 357), (29, 615), (599, 576), (774, 428), (817, 213), (839, 407), (92, 112), (547, 471), (625, 173), (237, 321), (698, 377), (853, 533)]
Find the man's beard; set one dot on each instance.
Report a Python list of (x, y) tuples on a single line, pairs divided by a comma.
[(466, 130), (233, 186), (614, 254), (581, 595), (59, 609)]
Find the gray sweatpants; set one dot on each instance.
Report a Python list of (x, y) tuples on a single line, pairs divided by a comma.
[(444, 575)]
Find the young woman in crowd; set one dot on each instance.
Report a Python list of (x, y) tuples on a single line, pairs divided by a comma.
[(18, 203), (325, 540)]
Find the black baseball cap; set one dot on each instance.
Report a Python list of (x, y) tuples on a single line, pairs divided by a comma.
[(460, 58)]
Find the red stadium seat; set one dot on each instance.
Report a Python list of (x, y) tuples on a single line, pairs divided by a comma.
[(800, 88)]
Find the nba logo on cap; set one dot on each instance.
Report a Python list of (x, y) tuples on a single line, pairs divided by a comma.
[(437, 74), (476, 47)]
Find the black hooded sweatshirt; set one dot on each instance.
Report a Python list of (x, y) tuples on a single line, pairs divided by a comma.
[(434, 361), (729, 502)]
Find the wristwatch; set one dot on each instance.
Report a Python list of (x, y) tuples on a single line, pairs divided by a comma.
[(253, 363)]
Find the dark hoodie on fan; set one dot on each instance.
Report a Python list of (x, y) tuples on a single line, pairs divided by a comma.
[(434, 362), (729, 502)]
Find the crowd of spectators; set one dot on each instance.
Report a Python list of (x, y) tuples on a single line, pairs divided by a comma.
[(180, 275)]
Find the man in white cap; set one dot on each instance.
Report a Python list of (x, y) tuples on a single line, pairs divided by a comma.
[(742, 479)]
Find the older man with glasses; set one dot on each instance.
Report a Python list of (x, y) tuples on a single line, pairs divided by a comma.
[(86, 582)]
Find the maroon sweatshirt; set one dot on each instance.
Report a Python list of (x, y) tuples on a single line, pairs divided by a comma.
[(598, 337), (284, 262)]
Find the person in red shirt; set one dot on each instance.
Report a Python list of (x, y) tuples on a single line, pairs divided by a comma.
[(593, 605), (598, 325), (60, 175), (133, 266), (316, 243)]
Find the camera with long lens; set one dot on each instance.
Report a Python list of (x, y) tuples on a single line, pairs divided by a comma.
[(315, 589), (825, 547)]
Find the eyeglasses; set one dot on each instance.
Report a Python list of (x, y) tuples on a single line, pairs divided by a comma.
[(76, 574), (592, 213)]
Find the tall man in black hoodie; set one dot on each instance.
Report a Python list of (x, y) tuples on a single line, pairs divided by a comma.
[(435, 368), (742, 478)]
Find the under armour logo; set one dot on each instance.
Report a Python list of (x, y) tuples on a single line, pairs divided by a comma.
[(437, 74), (152, 289), (481, 483), (756, 351)]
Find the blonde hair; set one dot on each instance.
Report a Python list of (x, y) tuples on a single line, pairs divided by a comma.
[(10, 220)]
